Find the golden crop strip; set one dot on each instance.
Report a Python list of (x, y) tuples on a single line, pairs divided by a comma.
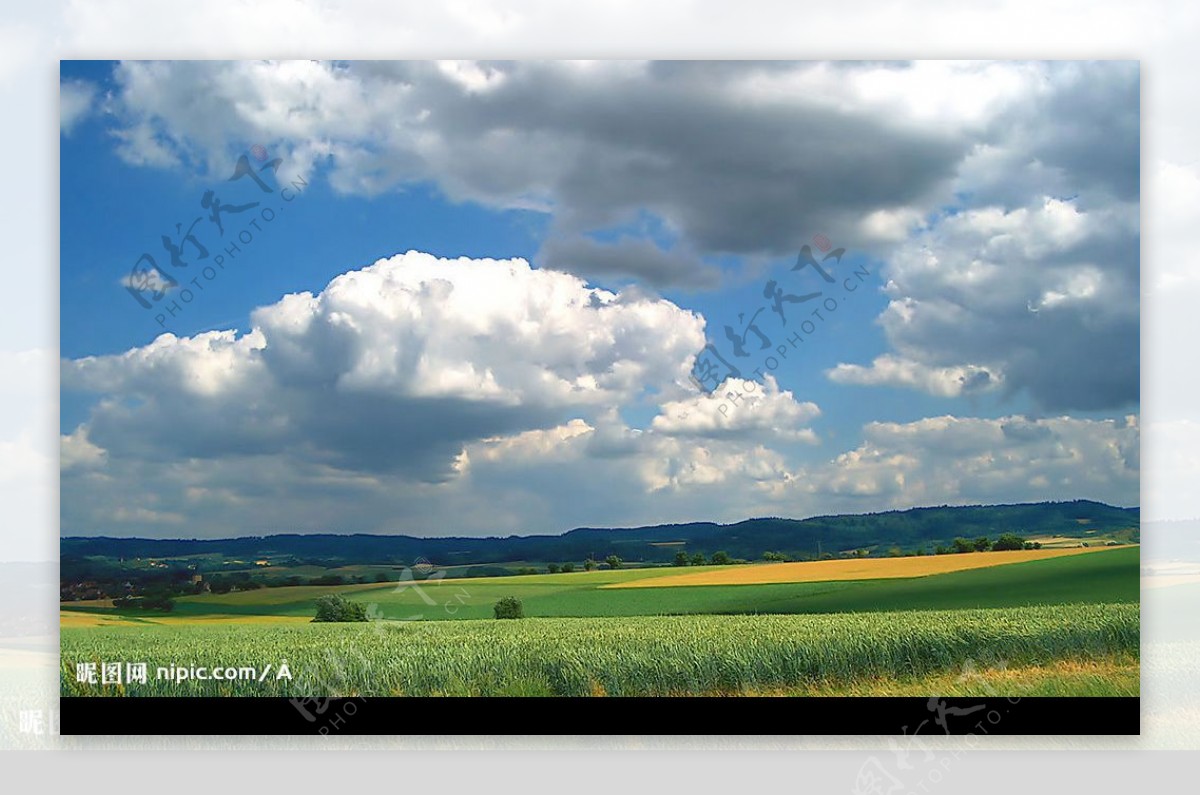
[(851, 569)]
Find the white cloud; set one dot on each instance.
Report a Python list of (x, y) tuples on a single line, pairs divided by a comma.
[(962, 460), (888, 370), (1172, 470), (1172, 225), (76, 451), (679, 465), (75, 102), (28, 436), (539, 444), (739, 409)]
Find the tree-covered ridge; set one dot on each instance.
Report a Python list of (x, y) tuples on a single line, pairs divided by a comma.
[(916, 529)]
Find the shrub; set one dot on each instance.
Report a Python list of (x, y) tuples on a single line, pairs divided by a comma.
[(681, 559), (720, 558), (509, 607), (1010, 541), (983, 544), (335, 607), (552, 568), (567, 568), (589, 564), (158, 602), (698, 559), (963, 545), (613, 562)]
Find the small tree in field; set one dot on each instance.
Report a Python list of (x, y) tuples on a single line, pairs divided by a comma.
[(681, 559), (613, 562), (509, 607), (335, 607), (589, 564), (552, 568), (720, 558), (567, 568), (698, 559), (983, 544)]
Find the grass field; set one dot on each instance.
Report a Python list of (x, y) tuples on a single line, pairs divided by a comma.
[(703, 655), (852, 569)]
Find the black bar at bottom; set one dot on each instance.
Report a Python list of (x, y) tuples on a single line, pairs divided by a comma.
[(546, 716)]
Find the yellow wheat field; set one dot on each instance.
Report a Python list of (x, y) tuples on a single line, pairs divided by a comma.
[(78, 619), (851, 569)]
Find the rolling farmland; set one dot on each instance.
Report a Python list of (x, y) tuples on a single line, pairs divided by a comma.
[(1108, 575), (1059, 624), (852, 569)]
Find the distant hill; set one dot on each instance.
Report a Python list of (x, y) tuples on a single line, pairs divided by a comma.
[(916, 528)]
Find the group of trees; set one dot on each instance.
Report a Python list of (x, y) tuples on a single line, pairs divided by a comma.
[(151, 601), (591, 564), (719, 558), (337, 608), (1008, 541)]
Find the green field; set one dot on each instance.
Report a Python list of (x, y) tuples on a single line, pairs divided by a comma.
[(1107, 576), (1066, 625), (702, 655)]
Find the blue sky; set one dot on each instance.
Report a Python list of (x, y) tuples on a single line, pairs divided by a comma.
[(989, 356)]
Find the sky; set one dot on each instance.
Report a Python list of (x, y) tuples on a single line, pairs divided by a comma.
[(468, 298)]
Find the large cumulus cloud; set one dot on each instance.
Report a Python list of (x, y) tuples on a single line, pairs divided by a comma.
[(392, 367)]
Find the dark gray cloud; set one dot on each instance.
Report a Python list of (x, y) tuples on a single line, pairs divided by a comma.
[(630, 258), (743, 158), (1045, 297)]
